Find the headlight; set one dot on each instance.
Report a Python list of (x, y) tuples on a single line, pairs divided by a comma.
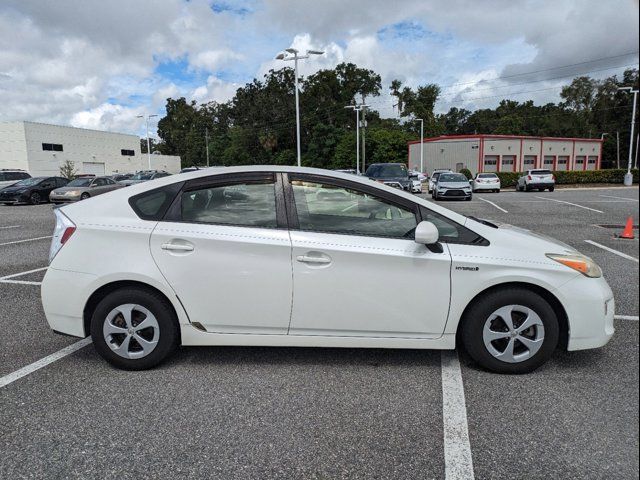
[(72, 192), (579, 263)]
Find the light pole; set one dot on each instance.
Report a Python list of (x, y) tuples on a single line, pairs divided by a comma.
[(357, 109), (421, 143), (147, 117), (295, 57), (628, 178)]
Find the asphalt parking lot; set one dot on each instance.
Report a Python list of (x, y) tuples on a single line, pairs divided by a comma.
[(325, 413)]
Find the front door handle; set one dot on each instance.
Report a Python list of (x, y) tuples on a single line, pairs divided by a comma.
[(177, 247), (316, 260)]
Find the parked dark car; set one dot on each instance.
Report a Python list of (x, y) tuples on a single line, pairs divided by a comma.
[(31, 190), (119, 177), (393, 174)]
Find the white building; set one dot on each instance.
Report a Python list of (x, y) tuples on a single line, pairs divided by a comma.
[(41, 149), (510, 153)]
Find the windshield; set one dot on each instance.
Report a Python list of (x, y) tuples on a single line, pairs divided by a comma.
[(27, 182), (79, 182), (142, 176), (452, 177), (391, 170)]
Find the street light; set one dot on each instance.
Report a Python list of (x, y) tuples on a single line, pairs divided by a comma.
[(421, 143), (628, 178), (293, 55), (147, 117), (357, 109)]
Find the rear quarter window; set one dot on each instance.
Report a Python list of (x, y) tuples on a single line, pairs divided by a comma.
[(153, 204)]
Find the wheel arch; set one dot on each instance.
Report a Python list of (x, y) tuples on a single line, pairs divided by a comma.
[(556, 305), (95, 298)]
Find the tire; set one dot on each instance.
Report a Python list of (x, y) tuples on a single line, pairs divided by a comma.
[(527, 188), (551, 189), (162, 344), (84, 196), (498, 191), (35, 198), (478, 315), (468, 199)]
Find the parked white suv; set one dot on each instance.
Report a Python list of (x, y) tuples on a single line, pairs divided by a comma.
[(538, 179), (172, 261), (8, 177)]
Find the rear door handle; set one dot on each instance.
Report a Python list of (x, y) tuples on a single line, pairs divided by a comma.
[(316, 260), (177, 247)]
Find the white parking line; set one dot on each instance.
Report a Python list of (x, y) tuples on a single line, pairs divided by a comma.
[(458, 462), (43, 362), (499, 208), (9, 226), (21, 282), (620, 254), (23, 273), (26, 240), (569, 203), (626, 317), (621, 198)]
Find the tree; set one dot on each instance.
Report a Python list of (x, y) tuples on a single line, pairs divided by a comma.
[(68, 170)]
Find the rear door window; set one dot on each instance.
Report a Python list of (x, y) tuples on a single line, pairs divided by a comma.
[(242, 203)]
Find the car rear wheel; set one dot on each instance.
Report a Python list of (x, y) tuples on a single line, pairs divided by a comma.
[(84, 196), (134, 329), (35, 198), (510, 331), (551, 189)]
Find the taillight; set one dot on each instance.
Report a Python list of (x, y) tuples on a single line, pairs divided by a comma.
[(553, 177), (529, 177), (61, 233)]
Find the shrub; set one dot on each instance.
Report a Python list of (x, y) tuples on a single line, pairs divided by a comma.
[(510, 179), (467, 173)]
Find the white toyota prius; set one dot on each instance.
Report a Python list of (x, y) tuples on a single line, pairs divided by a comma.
[(286, 256)]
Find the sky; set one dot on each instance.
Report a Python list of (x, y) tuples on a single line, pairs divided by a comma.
[(100, 64)]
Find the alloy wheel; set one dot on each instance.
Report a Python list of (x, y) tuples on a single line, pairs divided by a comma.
[(35, 198), (513, 333), (131, 331)]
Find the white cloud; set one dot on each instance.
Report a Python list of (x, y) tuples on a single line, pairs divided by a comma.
[(93, 62)]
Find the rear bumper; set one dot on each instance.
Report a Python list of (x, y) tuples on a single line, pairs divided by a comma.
[(64, 313), (486, 186), (541, 184)]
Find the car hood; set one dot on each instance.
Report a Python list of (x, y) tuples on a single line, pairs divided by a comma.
[(390, 179), (519, 238), (453, 184), (13, 189)]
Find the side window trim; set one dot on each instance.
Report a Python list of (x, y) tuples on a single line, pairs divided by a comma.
[(292, 214), (174, 212)]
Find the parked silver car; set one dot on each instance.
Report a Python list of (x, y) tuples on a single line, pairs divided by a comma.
[(144, 176), (485, 182), (538, 179), (83, 188), (451, 185)]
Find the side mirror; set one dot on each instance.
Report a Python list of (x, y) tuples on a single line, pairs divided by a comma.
[(426, 233), (471, 180)]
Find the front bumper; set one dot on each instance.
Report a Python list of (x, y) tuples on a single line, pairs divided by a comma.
[(14, 198), (64, 198), (454, 193), (590, 309)]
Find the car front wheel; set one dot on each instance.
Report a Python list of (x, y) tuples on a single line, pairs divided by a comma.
[(134, 328), (35, 198), (510, 331)]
